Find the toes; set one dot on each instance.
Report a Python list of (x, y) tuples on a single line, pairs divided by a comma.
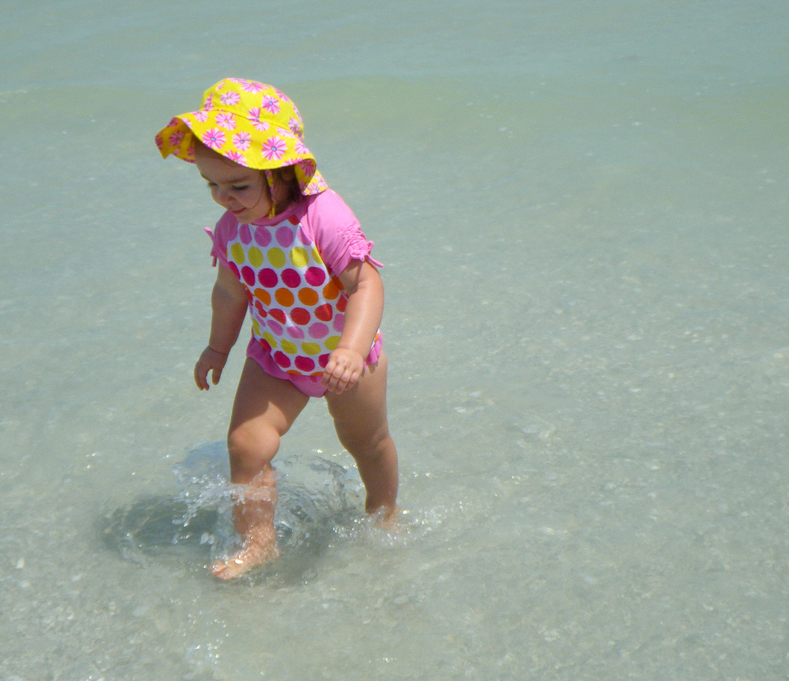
[(237, 565), (232, 567)]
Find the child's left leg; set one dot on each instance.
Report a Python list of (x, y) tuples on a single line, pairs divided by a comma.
[(360, 421)]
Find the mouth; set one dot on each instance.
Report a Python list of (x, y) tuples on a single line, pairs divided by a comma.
[(237, 212)]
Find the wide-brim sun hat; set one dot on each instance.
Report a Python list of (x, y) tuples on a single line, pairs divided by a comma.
[(250, 123)]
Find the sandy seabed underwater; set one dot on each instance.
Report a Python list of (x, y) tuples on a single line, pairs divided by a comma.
[(582, 211)]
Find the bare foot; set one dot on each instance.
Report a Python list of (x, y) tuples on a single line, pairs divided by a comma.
[(250, 556), (386, 518)]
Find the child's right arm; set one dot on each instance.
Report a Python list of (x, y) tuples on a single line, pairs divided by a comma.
[(229, 307)]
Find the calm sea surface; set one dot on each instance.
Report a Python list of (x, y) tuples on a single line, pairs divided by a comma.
[(582, 209)]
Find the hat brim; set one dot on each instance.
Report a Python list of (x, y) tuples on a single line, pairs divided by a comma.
[(253, 144)]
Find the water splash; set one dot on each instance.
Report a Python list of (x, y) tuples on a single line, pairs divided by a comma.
[(321, 506), (317, 498)]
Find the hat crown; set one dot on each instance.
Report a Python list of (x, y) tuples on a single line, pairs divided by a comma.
[(259, 103)]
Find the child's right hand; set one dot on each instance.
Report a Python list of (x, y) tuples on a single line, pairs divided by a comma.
[(212, 361)]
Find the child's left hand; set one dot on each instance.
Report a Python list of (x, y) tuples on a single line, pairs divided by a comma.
[(343, 369)]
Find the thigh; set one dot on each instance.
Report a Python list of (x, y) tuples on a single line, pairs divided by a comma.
[(360, 413), (264, 402)]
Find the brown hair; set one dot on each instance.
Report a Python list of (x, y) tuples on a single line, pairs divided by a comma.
[(286, 188)]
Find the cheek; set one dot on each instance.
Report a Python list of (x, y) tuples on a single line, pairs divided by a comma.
[(246, 199), (215, 195), (254, 197)]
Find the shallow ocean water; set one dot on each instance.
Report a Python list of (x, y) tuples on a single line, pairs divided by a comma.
[(582, 212)]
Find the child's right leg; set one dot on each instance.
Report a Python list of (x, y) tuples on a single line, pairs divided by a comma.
[(264, 410)]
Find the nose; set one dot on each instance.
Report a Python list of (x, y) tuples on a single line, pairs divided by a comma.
[(223, 196)]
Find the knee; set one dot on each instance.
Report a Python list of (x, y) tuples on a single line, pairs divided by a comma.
[(251, 450), (364, 443)]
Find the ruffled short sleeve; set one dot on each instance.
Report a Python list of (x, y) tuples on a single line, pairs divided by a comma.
[(336, 232), (224, 231)]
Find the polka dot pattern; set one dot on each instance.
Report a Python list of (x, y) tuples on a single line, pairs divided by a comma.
[(296, 304)]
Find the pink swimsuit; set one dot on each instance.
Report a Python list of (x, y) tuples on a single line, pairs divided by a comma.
[(288, 266)]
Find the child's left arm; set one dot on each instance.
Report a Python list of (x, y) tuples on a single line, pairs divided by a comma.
[(362, 318)]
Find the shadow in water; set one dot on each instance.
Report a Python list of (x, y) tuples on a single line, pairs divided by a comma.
[(319, 503), (151, 526)]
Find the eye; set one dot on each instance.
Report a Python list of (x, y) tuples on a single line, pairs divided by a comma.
[(240, 188)]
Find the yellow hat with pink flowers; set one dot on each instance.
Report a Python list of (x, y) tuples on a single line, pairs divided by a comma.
[(250, 123)]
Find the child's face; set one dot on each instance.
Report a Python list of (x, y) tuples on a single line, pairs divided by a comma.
[(242, 191)]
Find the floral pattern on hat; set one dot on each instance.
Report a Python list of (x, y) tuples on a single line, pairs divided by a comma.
[(249, 123)]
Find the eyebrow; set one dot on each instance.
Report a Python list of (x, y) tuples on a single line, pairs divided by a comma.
[(234, 181)]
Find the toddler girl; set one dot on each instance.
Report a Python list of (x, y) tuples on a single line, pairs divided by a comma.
[(293, 254)]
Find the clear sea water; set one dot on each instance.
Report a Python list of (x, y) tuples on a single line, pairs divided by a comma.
[(582, 208)]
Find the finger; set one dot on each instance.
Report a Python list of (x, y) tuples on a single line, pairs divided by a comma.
[(328, 373), (329, 380), (330, 377), (200, 377), (343, 380), (346, 381), (216, 374), (352, 380)]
